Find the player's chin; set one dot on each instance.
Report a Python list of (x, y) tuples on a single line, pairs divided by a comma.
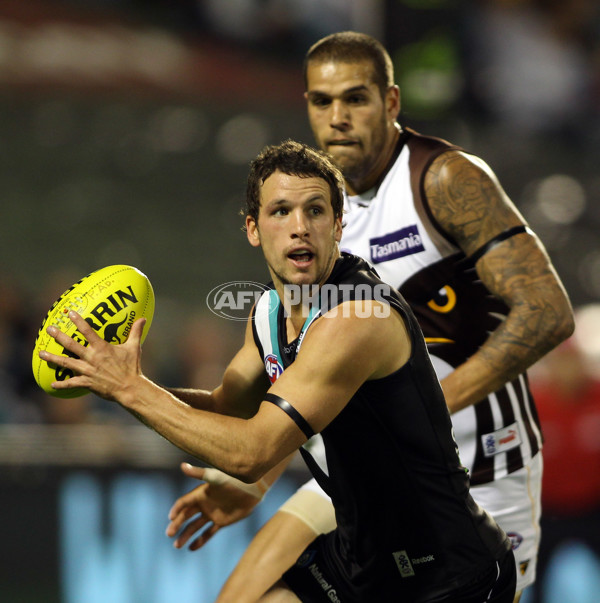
[(344, 154), (302, 275)]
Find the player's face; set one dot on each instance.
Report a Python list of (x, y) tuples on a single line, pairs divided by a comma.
[(351, 121), (296, 229)]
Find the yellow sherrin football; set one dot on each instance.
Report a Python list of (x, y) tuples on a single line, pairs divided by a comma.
[(110, 300)]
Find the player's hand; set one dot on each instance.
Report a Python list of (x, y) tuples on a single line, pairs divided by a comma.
[(103, 368), (217, 503)]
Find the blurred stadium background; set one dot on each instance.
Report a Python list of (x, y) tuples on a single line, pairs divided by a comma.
[(126, 128)]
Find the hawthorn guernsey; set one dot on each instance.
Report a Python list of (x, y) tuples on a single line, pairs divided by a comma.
[(110, 300)]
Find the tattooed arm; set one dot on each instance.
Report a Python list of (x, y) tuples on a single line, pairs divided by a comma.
[(469, 203)]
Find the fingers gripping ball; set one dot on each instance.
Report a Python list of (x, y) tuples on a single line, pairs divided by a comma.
[(110, 300)]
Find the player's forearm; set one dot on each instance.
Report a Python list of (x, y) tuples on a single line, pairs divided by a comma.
[(196, 398), (530, 331), (471, 382), (484, 373), (214, 401), (225, 442), (517, 271)]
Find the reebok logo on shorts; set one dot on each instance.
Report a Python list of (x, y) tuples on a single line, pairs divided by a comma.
[(406, 565)]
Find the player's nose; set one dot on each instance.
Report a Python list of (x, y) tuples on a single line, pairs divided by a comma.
[(299, 224), (340, 116)]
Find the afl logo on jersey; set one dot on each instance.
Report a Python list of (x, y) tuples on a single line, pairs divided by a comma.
[(274, 369)]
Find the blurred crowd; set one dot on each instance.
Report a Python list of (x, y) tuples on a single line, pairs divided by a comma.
[(531, 65), (534, 65)]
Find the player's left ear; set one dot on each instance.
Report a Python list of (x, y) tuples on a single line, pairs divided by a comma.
[(252, 231)]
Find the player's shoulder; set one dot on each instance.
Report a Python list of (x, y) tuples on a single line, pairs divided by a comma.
[(358, 325), (369, 333), (455, 177), (456, 162), (424, 149)]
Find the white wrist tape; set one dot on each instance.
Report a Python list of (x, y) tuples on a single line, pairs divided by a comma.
[(218, 478)]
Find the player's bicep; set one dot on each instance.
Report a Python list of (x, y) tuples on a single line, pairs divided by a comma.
[(337, 357), (468, 202), (312, 394)]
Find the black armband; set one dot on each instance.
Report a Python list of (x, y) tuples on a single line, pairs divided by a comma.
[(506, 234), (292, 413)]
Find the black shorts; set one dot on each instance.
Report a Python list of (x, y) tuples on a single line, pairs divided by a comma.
[(313, 580), (497, 585)]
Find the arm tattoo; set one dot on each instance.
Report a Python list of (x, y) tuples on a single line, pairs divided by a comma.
[(519, 273), (467, 201)]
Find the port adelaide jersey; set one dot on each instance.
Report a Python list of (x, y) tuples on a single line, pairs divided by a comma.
[(391, 227), (427, 536)]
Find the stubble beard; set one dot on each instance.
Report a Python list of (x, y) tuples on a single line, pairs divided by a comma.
[(357, 171)]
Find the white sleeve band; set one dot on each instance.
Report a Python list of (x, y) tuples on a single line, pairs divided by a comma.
[(218, 478)]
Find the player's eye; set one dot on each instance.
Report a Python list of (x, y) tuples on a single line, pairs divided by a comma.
[(321, 102), (356, 99)]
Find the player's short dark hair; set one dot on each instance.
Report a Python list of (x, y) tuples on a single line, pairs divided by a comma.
[(353, 47), (295, 159)]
